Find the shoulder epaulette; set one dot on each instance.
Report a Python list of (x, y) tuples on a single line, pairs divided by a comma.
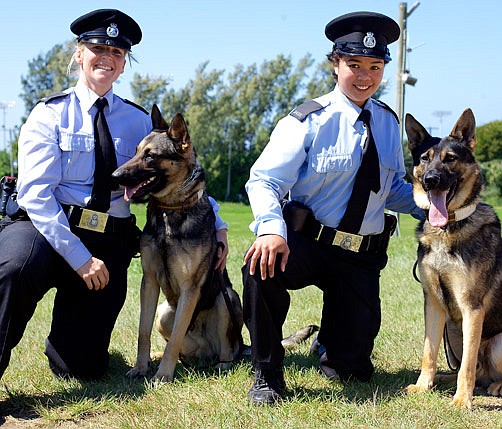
[(54, 96), (305, 109), (387, 107), (136, 105)]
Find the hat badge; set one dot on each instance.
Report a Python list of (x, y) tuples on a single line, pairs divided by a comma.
[(112, 30), (369, 40)]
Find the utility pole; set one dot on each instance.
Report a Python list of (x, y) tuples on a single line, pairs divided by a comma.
[(403, 76)]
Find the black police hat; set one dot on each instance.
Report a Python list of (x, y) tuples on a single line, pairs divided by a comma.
[(364, 34), (107, 27)]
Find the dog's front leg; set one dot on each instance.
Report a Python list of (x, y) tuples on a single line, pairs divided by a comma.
[(435, 318), (149, 297), (472, 326), (189, 297)]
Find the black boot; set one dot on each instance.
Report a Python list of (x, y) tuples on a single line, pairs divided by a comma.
[(268, 386), (317, 349), (328, 371)]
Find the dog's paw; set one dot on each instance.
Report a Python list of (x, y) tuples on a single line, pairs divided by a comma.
[(137, 372), (223, 365), (162, 378), (464, 401), (415, 388), (495, 389)]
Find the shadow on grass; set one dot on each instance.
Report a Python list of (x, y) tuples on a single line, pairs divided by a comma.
[(382, 386), (114, 384)]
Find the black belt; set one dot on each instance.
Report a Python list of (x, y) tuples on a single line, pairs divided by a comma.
[(354, 242), (113, 224), (300, 218)]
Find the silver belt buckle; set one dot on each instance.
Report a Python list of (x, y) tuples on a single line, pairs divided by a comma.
[(93, 221), (348, 241)]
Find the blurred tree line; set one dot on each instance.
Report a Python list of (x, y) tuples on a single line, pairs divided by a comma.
[(230, 114)]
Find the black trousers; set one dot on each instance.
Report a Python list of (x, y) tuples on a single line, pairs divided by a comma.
[(351, 305), (82, 320)]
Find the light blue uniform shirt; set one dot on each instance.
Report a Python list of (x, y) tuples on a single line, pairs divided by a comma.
[(56, 162), (316, 161)]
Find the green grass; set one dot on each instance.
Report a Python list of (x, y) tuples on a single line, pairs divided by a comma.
[(31, 397)]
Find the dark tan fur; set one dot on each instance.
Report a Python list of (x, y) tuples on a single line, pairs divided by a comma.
[(460, 263)]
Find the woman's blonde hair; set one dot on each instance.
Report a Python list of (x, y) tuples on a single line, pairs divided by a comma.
[(80, 46)]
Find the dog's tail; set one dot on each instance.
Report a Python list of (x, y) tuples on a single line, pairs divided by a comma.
[(291, 341), (299, 336)]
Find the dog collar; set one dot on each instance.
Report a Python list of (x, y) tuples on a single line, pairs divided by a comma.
[(189, 202), (461, 213)]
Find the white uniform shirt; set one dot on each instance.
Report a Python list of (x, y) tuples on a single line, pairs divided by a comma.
[(56, 162), (316, 161)]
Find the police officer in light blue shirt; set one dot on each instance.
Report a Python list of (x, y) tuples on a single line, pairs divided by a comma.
[(314, 157), (59, 237)]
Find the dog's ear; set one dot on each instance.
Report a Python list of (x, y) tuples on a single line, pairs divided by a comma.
[(416, 133), (178, 132), (158, 121), (465, 129)]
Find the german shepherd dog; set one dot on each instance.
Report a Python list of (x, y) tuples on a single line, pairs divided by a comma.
[(459, 260), (201, 318)]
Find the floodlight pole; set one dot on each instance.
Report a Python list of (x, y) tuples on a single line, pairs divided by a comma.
[(5, 105)]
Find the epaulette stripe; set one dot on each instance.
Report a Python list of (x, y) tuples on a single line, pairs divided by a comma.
[(387, 107), (305, 109), (136, 105), (51, 97)]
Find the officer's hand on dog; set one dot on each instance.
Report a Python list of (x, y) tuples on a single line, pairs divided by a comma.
[(94, 273), (221, 237), (266, 248)]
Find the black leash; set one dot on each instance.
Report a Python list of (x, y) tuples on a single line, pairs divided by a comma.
[(415, 276)]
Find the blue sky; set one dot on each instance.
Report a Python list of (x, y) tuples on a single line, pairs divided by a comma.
[(456, 46)]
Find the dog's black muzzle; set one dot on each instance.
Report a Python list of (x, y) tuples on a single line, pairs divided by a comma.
[(431, 180)]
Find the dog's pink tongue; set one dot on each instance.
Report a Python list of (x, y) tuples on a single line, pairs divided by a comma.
[(438, 214), (129, 192)]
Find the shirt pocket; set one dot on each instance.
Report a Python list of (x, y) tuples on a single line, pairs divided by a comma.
[(331, 163), (124, 149), (389, 166), (77, 156)]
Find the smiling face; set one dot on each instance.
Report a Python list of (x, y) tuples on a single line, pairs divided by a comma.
[(359, 77), (100, 65)]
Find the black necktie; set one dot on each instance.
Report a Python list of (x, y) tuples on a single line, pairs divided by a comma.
[(367, 179), (106, 161)]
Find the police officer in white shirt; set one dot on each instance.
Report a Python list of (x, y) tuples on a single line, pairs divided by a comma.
[(314, 155), (60, 237)]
